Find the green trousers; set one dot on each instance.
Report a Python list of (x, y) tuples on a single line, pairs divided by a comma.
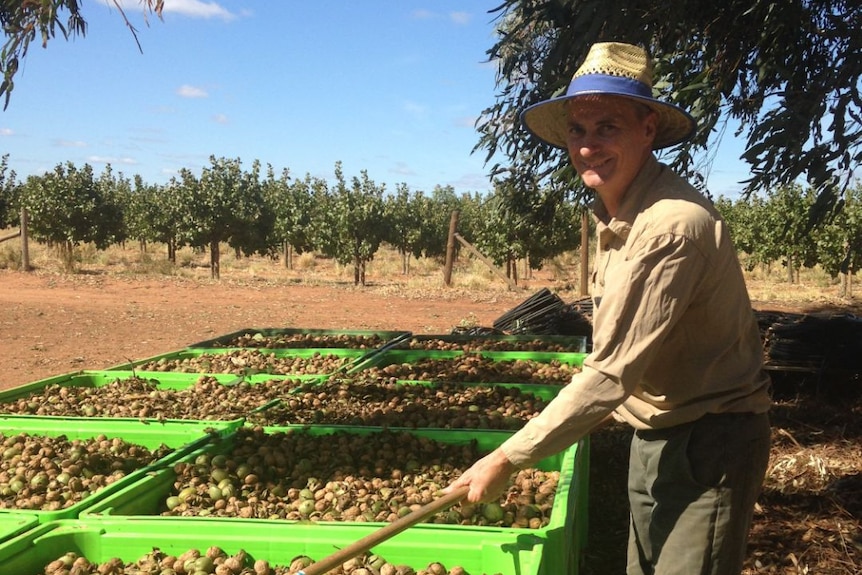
[(692, 490)]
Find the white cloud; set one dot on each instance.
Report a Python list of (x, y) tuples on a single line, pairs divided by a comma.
[(415, 109), (188, 91), (70, 144), (402, 169), (460, 18), (465, 122), (6, 132), (220, 119), (198, 9), (112, 160)]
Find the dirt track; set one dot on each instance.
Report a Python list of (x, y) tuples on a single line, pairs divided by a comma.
[(52, 324)]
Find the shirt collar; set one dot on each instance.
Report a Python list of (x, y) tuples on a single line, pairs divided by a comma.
[(621, 224)]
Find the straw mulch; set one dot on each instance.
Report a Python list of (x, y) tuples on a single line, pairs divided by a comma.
[(808, 519)]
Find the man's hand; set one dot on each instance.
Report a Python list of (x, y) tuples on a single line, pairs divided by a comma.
[(487, 478)]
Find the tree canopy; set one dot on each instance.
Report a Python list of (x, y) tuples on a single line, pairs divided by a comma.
[(787, 70)]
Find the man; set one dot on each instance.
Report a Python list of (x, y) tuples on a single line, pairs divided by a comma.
[(676, 348)]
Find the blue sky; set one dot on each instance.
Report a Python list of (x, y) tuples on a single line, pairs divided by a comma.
[(391, 87)]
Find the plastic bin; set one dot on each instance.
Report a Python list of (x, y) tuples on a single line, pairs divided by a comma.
[(100, 539), (12, 524), (247, 362), (182, 436), (236, 407), (464, 342), (562, 538), (292, 338), (408, 404), (95, 379), (454, 360)]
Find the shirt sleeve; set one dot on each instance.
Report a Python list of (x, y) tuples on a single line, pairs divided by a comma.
[(644, 296)]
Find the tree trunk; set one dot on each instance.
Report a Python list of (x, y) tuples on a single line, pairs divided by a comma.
[(405, 263), (356, 264), (288, 255), (68, 251), (214, 260), (790, 268)]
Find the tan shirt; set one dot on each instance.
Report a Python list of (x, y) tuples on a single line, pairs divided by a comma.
[(674, 334)]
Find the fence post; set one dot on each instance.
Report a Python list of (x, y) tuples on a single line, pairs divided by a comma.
[(450, 249), (25, 238)]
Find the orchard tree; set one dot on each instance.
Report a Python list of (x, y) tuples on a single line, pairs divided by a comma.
[(788, 228), (436, 212), (220, 207), (67, 208), (291, 203), (351, 223), (254, 234), (155, 214), (526, 222), (9, 191), (405, 222), (840, 240), (788, 72), (114, 192)]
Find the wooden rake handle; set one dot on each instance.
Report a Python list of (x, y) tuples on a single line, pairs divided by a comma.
[(384, 533)]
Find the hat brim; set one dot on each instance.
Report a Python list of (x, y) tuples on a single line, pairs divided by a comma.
[(548, 120)]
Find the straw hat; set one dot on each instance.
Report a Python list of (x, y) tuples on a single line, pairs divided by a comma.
[(616, 69)]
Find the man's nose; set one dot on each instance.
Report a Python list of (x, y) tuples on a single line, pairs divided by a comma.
[(587, 147)]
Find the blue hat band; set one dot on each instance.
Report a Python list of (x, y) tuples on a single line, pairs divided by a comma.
[(605, 83)]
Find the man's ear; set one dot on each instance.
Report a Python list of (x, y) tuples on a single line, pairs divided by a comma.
[(651, 125)]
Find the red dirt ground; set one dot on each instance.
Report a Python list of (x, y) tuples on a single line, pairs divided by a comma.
[(52, 324)]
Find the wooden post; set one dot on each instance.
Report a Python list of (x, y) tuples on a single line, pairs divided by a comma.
[(486, 261), (25, 238), (585, 253), (450, 249)]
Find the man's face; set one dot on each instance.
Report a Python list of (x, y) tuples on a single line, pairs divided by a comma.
[(609, 138)]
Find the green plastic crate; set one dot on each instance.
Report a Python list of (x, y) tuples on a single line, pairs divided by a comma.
[(403, 356), (12, 524), (572, 343), (350, 356), (101, 539), (182, 436), (386, 336), (165, 379), (562, 538), (545, 392)]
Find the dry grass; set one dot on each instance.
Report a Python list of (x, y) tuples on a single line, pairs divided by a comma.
[(766, 286)]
